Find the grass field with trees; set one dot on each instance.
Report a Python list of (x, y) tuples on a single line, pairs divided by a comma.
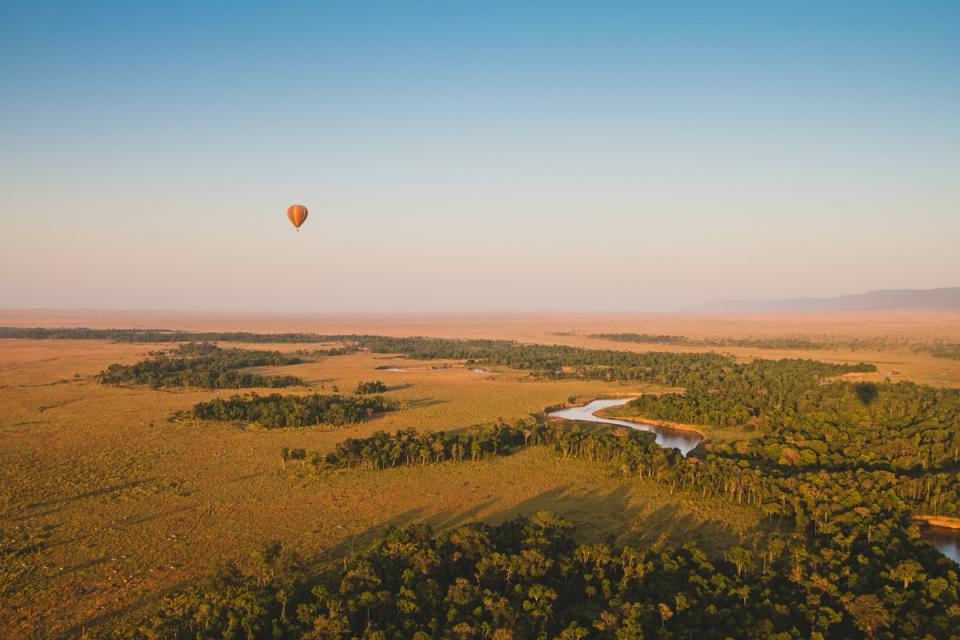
[(794, 519)]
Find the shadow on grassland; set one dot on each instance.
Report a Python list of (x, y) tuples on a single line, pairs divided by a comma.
[(422, 403), (116, 488), (617, 518)]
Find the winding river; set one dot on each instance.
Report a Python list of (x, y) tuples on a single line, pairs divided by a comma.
[(685, 441)]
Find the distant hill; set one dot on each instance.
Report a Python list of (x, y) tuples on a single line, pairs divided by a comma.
[(944, 299)]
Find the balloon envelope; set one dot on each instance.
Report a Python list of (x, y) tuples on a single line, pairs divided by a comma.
[(297, 214)]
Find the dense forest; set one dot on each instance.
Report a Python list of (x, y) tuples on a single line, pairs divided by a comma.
[(201, 364), (530, 579), (837, 425), (277, 411)]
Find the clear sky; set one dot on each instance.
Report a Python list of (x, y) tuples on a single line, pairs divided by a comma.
[(475, 155)]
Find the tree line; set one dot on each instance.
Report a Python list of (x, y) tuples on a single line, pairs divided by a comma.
[(203, 365), (277, 411), (945, 350), (940, 349), (628, 448), (767, 342), (160, 335)]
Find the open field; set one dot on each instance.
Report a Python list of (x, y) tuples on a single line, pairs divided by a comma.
[(129, 505), (526, 327)]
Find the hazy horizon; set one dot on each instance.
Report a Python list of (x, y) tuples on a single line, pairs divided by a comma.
[(461, 158), (709, 307)]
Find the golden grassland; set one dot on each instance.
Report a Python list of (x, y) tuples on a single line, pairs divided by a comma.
[(131, 505), (527, 327)]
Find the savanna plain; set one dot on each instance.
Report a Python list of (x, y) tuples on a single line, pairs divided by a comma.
[(116, 494)]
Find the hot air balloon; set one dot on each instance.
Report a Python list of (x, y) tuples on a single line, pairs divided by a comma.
[(297, 214)]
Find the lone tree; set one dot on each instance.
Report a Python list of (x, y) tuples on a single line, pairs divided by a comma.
[(869, 613), (372, 386), (906, 572)]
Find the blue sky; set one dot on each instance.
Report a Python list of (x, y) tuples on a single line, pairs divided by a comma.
[(475, 156)]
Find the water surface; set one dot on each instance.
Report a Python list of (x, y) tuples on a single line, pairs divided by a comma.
[(685, 441), (944, 539)]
